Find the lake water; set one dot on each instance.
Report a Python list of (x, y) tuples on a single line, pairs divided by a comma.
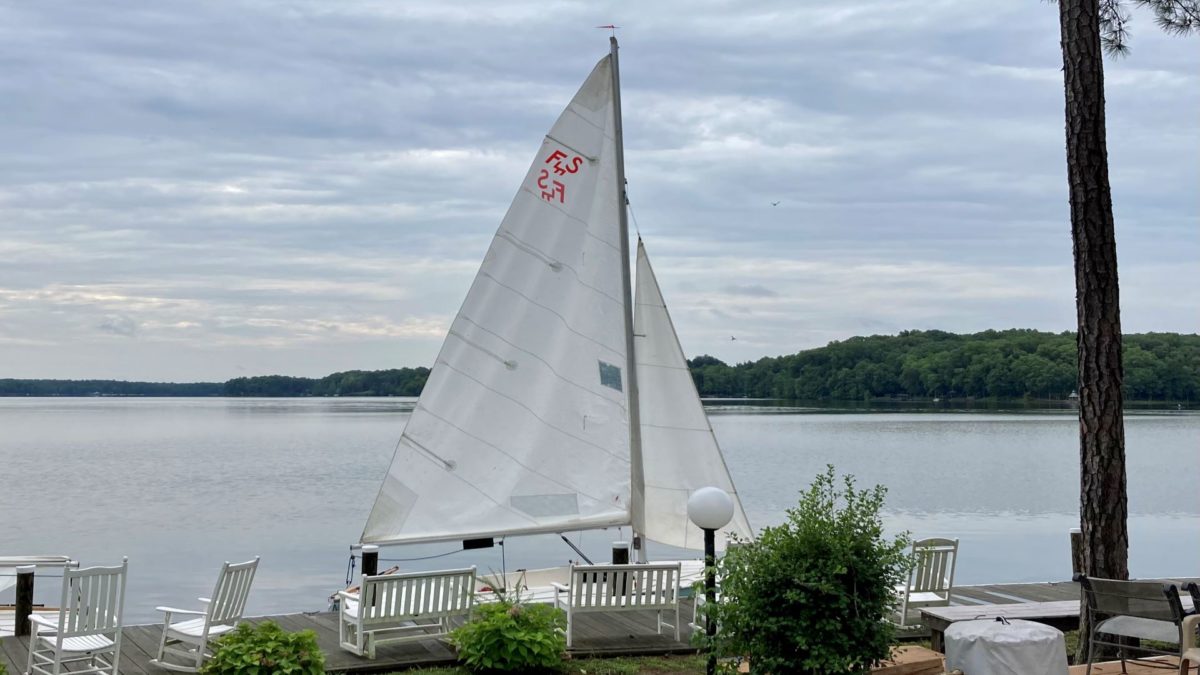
[(179, 485)]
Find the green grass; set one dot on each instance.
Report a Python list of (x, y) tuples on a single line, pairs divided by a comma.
[(639, 665)]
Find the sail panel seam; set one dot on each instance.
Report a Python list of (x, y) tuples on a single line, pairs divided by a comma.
[(573, 148), (658, 365), (501, 394), (561, 318), (521, 245), (544, 362), (500, 450), (586, 225), (668, 426), (476, 488)]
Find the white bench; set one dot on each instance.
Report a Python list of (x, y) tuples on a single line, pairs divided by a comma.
[(620, 588), (387, 607)]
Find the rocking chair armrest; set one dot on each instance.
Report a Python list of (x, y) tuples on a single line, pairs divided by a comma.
[(43, 621), (175, 610), (1188, 627), (558, 590)]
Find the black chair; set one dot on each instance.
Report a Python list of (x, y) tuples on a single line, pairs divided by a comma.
[(1142, 610)]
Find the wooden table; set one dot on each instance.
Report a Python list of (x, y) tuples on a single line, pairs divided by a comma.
[(1061, 614)]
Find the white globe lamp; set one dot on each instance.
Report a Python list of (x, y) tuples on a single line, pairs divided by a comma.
[(710, 508)]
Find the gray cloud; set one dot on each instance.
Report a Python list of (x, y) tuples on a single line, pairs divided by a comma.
[(301, 186), (750, 290), (118, 325)]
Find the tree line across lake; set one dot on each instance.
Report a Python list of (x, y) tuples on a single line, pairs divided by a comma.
[(1005, 364)]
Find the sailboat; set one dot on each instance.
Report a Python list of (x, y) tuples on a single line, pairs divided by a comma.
[(558, 402)]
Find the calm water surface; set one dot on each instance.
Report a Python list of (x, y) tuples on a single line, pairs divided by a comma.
[(180, 485)]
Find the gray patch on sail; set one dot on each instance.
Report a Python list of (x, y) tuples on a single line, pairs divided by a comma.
[(610, 376), (543, 506), (596, 90), (394, 504)]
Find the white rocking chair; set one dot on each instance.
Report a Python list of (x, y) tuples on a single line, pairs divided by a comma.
[(88, 627), (187, 641), (931, 580)]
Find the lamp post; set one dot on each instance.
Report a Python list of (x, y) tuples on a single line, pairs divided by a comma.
[(710, 508)]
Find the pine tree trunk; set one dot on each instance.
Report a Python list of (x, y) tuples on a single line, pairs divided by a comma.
[(1103, 505)]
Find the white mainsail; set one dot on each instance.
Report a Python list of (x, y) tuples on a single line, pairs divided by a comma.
[(680, 453), (530, 421), (523, 425)]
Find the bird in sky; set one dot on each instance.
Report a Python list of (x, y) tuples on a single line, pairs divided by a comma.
[(774, 203), (731, 338)]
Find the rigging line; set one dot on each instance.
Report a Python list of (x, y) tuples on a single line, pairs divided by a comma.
[(557, 374), (500, 450), (424, 557), (562, 319), (577, 550), (520, 244), (629, 207)]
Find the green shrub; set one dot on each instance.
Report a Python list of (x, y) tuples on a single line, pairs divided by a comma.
[(265, 649), (509, 636), (3, 669), (811, 595)]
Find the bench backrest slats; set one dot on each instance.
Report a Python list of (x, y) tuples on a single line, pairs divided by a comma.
[(637, 586), (389, 597)]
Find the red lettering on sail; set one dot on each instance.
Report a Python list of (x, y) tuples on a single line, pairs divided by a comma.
[(561, 167), (551, 189)]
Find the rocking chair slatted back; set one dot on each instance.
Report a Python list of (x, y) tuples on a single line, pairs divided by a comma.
[(934, 570), (93, 600), (228, 600)]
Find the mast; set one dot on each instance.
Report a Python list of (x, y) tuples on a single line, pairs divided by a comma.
[(637, 487)]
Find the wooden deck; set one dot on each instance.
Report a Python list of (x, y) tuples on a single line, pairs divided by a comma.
[(630, 633), (991, 595), (624, 633)]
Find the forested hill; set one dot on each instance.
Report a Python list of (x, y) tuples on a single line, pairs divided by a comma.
[(923, 364), (398, 382), (926, 364)]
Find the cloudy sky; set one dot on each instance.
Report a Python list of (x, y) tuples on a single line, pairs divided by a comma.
[(203, 190)]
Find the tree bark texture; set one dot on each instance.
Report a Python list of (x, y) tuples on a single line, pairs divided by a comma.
[(1103, 506)]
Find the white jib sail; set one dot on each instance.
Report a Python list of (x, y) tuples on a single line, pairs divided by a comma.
[(679, 451), (522, 426)]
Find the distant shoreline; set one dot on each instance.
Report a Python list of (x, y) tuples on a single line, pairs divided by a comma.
[(1011, 367)]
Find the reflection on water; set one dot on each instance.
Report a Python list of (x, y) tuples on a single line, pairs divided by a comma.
[(180, 485)]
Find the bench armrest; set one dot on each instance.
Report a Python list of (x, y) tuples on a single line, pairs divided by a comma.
[(347, 595)]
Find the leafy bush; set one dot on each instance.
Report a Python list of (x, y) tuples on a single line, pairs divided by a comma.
[(265, 649), (510, 636), (811, 595)]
